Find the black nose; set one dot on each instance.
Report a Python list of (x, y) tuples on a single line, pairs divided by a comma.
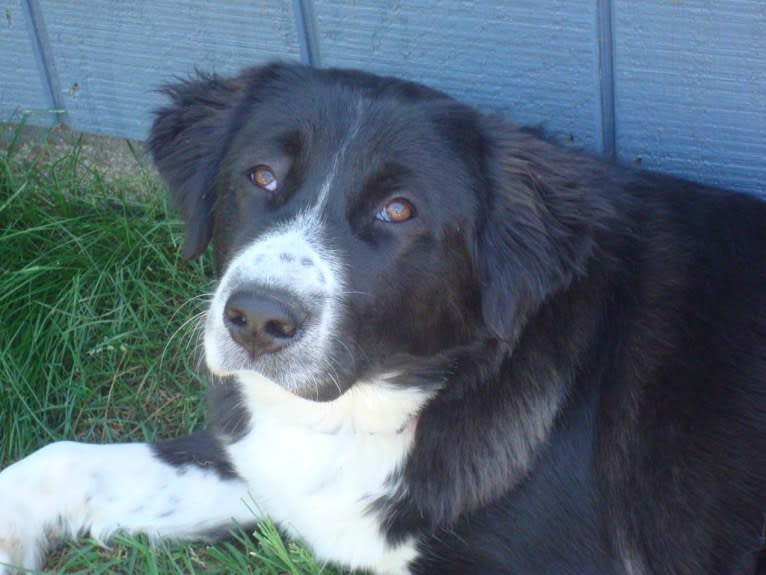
[(262, 323)]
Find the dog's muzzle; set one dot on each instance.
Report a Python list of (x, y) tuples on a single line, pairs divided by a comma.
[(276, 310)]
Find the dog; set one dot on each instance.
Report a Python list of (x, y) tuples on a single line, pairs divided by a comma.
[(440, 343)]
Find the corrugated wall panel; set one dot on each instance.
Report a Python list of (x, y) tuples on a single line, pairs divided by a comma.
[(110, 56), (690, 88), (21, 89), (689, 75), (537, 61)]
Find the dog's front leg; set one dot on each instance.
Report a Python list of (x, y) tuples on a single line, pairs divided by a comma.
[(180, 489)]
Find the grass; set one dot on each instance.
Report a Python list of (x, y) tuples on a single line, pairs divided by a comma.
[(97, 343)]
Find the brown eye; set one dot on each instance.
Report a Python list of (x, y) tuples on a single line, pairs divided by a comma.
[(396, 211), (263, 177)]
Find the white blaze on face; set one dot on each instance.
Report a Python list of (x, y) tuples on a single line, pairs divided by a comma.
[(293, 258)]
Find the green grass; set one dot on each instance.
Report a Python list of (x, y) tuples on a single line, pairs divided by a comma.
[(98, 343)]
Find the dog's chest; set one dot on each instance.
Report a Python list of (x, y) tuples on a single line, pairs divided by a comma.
[(317, 476)]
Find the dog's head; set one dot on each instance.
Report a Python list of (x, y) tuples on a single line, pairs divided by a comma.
[(360, 223)]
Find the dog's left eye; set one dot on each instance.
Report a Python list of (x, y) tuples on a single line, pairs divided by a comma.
[(396, 211), (264, 178)]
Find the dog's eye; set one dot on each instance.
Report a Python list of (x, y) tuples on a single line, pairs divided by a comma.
[(264, 178), (396, 211)]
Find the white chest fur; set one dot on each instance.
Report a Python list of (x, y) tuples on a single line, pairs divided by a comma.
[(315, 468)]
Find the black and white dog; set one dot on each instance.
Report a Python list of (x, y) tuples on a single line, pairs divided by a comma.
[(441, 344)]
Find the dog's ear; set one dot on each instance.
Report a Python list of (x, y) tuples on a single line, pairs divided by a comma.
[(187, 142), (535, 234)]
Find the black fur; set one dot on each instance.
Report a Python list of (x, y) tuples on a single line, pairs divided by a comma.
[(597, 334), (201, 449), (229, 418), (187, 142)]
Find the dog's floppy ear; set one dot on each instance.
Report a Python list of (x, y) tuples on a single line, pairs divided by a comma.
[(187, 142), (535, 234)]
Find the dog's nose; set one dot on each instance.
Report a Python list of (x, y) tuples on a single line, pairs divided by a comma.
[(262, 323)]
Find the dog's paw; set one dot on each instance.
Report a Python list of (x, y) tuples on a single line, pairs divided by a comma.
[(22, 538), (5, 561), (30, 511), (17, 553)]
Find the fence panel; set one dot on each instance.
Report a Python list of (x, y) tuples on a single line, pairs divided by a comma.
[(677, 86), (21, 77), (110, 56), (690, 88), (535, 60)]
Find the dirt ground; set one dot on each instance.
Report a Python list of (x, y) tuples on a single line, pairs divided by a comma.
[(113, 158)]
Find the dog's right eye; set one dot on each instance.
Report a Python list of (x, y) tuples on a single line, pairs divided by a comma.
[(264, 178), (396, 211)]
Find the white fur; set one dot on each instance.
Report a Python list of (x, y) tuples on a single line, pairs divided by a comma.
[(316, 468), (327, 186), (68, 489)]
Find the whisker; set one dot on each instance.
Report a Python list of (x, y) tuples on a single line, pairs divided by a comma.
[(192, 326), (330, 362), (206, 297)]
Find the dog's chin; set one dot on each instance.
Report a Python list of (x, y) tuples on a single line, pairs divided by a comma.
[(258, 385), (313, 388), (301, 368), (270, 377)]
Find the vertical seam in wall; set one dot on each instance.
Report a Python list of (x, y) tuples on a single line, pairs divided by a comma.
[(606, 77), (305, 24), (43, 57)]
